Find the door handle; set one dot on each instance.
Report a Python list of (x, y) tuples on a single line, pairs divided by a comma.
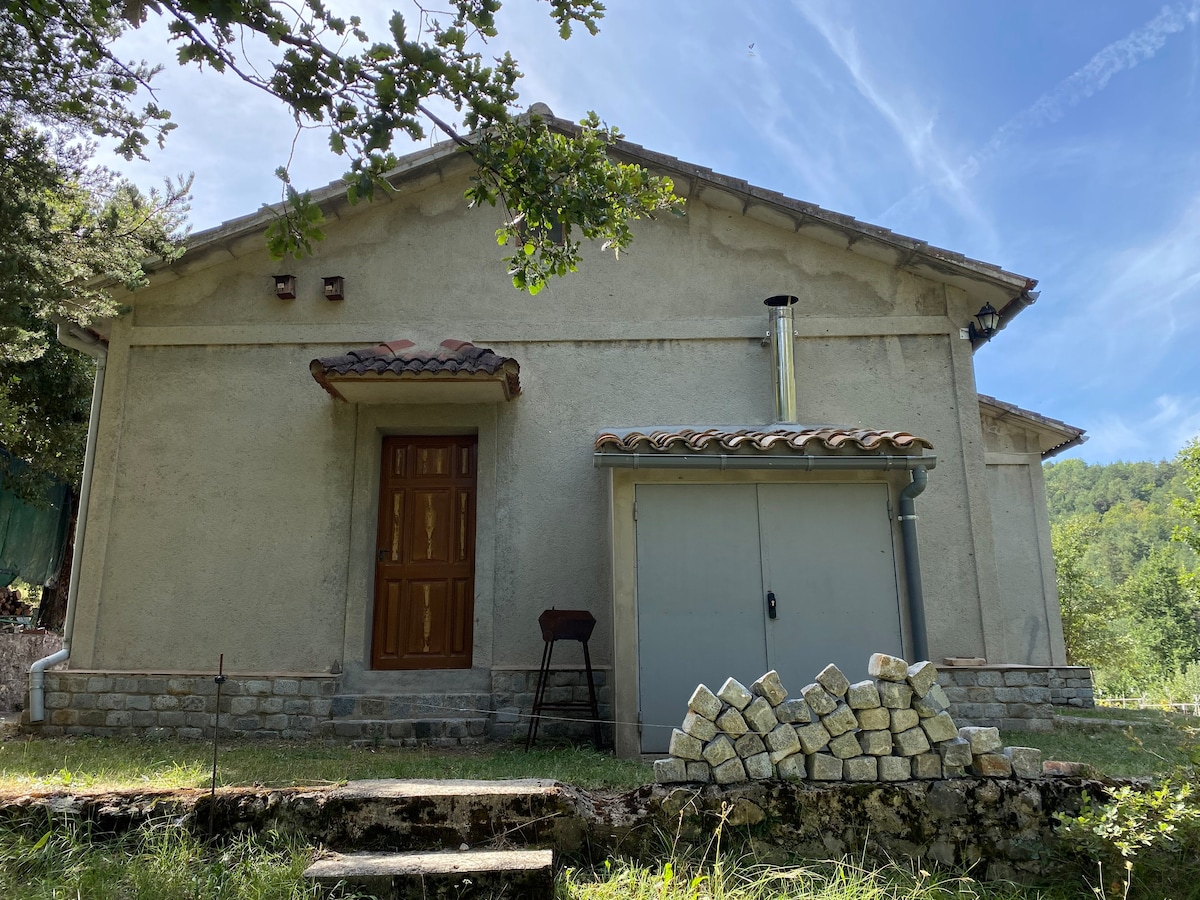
[(381, 555), (771, 605)]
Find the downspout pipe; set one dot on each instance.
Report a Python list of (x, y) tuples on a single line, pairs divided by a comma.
[(782, 339), (912, 562), (85, 341)]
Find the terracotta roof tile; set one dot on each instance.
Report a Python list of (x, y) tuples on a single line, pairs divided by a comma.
[(797, 439), (401, 358)]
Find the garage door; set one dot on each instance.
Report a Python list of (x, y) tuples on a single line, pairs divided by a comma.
[(708, 555)]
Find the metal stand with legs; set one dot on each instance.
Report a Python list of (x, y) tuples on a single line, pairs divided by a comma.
[(565, 625)]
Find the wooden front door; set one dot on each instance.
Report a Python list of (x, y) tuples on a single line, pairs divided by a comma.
[(425, 554)]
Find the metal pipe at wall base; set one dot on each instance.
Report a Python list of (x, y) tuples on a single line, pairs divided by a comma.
[(791, 462), (90, 343), (912, 562)]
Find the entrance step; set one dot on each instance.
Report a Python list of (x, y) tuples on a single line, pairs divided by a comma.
[(512, 874), (422, 814), (408, 732)]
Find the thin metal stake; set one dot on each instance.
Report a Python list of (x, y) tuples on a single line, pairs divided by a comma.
[(219, 678)]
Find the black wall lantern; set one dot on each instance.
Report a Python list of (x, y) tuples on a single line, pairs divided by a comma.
[(285, 287), (335, 287), (989, 324)]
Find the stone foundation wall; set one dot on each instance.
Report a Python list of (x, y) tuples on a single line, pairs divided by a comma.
[(512, 696), (185, 706), (17, 653), (1015, 698)]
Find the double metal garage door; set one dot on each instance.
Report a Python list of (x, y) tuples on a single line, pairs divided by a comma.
[(709, 555)]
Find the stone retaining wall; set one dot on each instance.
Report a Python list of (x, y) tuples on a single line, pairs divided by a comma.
[(185, 706), (17, 653), (1015, 698)]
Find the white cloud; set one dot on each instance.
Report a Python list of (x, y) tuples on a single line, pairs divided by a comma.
[(1158, 431)]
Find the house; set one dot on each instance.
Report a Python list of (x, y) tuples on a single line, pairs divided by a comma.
[(357, 485)]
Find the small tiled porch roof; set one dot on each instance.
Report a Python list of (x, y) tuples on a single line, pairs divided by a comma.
[(389, 372), (784, 438)]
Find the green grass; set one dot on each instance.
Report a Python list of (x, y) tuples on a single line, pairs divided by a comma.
[(1155, 744), (111, 763)]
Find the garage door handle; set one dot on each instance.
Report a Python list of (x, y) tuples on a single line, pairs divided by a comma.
[(771, 604)]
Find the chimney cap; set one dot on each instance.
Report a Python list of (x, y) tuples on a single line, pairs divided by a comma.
[(781, 300)]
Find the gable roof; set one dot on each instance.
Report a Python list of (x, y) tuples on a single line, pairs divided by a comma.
[(1054, 435), (1007, 291)]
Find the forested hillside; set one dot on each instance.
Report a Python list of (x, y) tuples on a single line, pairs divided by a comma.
[(1126, 537)]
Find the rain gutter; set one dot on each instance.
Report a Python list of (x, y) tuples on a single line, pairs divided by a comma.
[(726, 461), (85, 341)]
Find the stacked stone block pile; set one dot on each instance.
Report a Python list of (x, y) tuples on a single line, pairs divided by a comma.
[(894, 726)]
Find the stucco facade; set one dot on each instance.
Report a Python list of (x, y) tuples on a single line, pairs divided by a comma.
[(235, 503)]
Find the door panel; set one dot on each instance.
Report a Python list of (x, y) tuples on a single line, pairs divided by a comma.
[(425, 560), (708, 554), (827, 555), (699, 595)]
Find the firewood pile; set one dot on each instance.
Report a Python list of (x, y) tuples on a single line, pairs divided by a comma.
[(12, 604)]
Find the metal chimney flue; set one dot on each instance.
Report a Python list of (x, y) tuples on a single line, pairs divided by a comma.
[(782, 338)]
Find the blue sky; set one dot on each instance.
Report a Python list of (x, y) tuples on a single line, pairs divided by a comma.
[(1058, 140)]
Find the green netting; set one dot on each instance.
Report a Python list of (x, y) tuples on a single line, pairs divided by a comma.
[(31, 537)]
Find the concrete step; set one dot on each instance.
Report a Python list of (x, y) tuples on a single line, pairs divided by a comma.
[(423, 814), (455, 875), (408, 732)]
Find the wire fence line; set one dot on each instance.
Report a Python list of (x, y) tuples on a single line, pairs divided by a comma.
[(1191, 709)]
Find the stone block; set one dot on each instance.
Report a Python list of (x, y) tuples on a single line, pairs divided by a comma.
[(902, 720), (791, 768), (782, 742), (321, 706), (64, 716), (841, 720), (875, 743), (99, 684), (749, 744), (794, 711), (771, 688), (181, 685), (982, 740), (927, 766), (1016, 678), (165, 702), (922, 677), (193, 703), (136, 701), (862, 695), (812, 737), (911, 742), (685, 746), (860, 768), (704, 703), (1026, 761), (57, 700), (95, 718), (1057, 768), (887, 668), (699, 727), (286, 687), (729, 772), (895, 694), (732, 723), (760, 716), (140, 718), (929, 705), (117, 719), (173, 718), (940, 728), (956, 753), (110, 701), (735, 694), (699, 772), (989, 678), (670, 771), (894, 768), (953, 771), (845, 746), (297, 707), (718, 751), (874, 719), (256, 687), (819, 700), (823, 767), (991, 765), (832, 679), (240, 706), (759, 767), (270, 705), (1034, 694)]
